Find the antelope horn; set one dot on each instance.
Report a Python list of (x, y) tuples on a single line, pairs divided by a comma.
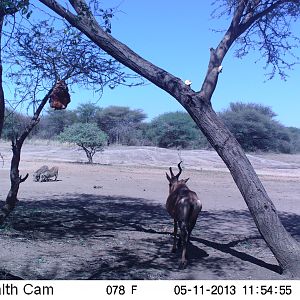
[(180, 170), (171, 172)]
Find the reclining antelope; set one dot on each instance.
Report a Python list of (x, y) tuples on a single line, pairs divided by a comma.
[(183, 206)]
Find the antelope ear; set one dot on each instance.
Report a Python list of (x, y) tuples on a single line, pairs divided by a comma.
[(168, 177), (186, 180)]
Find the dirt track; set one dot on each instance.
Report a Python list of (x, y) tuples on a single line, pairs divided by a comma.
[(108, 221)]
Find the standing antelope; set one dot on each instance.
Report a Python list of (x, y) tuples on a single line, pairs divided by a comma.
[(183, 206)]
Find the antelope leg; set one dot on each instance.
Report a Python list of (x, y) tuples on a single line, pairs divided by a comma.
[(184, 238), (175, 235)]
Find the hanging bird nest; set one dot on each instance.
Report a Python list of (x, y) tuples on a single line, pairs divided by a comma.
[(60, 97)]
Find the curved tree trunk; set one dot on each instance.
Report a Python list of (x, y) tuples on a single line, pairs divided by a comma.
[(15, 178), (2, 100), (88, 153), (285, 249), (89, 156)]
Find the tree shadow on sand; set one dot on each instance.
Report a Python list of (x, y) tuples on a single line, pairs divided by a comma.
[(134, 239)]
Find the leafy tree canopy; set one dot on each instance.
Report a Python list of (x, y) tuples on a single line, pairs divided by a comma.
[(255, 129), (119, 122), (87, 136), (54, 122), (88, 112), (14, 122), (174, 129)]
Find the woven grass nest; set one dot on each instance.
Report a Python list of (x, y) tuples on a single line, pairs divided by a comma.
[(60, 97)]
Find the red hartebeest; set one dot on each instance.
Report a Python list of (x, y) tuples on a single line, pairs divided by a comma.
[(183, 206)]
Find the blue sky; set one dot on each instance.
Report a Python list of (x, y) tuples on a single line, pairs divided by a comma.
[(177, 35)]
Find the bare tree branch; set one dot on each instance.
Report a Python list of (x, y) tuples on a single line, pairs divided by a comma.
[(217, 55), (39, 55), (121, 52), (252, 17), (13, 6)]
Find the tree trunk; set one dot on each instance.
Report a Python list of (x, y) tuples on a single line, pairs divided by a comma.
[(285, 248), (88, 154), (90, 158), (15, 178), (2, 100)]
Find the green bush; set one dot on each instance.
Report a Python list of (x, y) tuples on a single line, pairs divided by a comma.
[(54, 122), (175, 130), (14, 124), (87, 136), (255, 129), (122, 124), (294, 134)]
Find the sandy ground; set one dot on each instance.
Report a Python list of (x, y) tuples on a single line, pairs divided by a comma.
[(108, 221)]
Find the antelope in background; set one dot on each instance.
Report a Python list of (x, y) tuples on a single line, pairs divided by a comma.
[(183, 206)]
